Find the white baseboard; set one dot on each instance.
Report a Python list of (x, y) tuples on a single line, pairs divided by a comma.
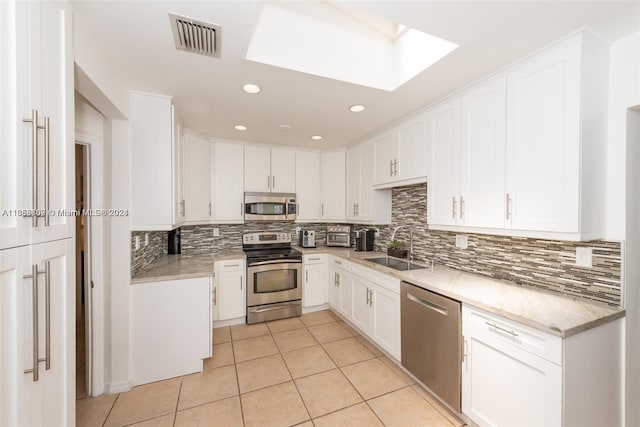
[(315, 308), (117, 387), (229, 322)]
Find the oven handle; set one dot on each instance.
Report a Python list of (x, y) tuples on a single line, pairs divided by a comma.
[(276, 261), (279, 307)]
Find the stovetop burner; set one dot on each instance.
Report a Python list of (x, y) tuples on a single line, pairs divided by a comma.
[(268, 246)]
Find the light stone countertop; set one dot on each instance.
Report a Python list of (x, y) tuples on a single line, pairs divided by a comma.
[(176, 267), (549, 312)]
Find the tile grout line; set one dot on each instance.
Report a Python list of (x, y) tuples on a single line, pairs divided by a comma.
[(175, 413), (293, 380), (110, 409), (235, 367)]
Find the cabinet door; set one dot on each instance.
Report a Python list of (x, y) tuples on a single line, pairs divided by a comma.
[(176, 168), (231, 291), (444, 185), (385, 323), (361, 315), (308, 185), (333, 186), (543, 142), (386, 147), (345, 287), (482, 193), (257, 168), (214, 301), (283, 170), (493, 394), (353, 183), (413, 150), (228, 204), (315, 289), (334, 289), (197, 155), (367, 175)]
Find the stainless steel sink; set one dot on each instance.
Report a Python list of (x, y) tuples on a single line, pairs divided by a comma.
[(396, 264)]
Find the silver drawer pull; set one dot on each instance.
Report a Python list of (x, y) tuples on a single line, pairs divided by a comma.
[(313, 259), (495, 326), (231, 265), (427, 304)]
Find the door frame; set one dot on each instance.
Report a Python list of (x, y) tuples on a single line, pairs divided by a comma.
[(94, 297)]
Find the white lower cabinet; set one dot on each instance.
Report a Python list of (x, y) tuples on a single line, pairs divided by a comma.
[(229, 295), (170, 328), (516, 375), (340, 286), (314, 288)]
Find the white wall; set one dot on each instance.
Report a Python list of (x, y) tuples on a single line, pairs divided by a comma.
[(624, 92)]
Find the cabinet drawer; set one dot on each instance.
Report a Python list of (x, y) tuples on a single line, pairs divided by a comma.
[(230, 265), (386, 282), (490, 327), (311, 259), (340, 263)]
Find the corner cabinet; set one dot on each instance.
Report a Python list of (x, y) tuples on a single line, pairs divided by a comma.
[(314, 287), (332, 191), (155, 163), (513, 374), (364, 204), (228, 164), (197, 191), (521, 153), (308, 185)]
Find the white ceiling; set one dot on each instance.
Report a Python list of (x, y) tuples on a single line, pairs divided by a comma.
[(207, 91)]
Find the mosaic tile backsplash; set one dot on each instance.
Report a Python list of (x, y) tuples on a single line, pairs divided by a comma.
[(538, 263)]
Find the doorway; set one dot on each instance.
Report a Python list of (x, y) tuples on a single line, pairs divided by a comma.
[(83, 276)]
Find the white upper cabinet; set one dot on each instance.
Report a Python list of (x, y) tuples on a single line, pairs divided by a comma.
[(467, 181), (269, 169), (308, 185), (332, 179), (155, 195), (36, 78), (197, 160), (401, 154), (556, 124), (364, 204), (525, 155), (228, 203)]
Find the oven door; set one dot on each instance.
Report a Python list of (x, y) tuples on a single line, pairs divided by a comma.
[(274, 281)]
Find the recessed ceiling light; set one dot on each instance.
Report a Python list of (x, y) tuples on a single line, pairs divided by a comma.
[(240, 127), (251, 88), (357, 108), (316, 137)]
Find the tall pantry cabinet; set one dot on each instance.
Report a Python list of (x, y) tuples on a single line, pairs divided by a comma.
[(37, 277)]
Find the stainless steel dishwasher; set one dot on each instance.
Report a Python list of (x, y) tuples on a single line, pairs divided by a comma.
[(431, 341)]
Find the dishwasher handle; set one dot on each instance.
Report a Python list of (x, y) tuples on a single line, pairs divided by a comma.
[(423, 302)]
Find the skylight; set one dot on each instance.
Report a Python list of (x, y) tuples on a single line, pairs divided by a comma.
[(331, 40)]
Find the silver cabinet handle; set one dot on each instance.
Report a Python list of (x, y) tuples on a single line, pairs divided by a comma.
[(183, 206), (453, 208), (322, 214), (34, 167), (357, 209), (306, 276), (215, 296), (273, 182), (269, 181), (47, 315), (34, 297), (46, 171), (241, 209), (34, 286), (231, 265), (390, 167), (240, 282), (395, 167), (508, 206), (367, 296), (370, 298), (209, 208), (313, 259), (461, 208), (495, 326), (337, 262)]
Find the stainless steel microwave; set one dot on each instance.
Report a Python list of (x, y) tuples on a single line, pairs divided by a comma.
[(270, 207)]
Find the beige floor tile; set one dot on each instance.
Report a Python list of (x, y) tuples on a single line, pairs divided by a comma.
[(92, 411), (145, 402), (451, 417), (285, 325), (327, 392), (165, 421), (208, 386), (328, 332), (398, 370), (355, 416), (293, 340), (317, 318), (308, 361), (279, 405), (222, 356), (405, 408), (240, 332), (372, 378), (348, 351), (263, 372), (221, 335), (225, 413), (254, 348), (370, 346)]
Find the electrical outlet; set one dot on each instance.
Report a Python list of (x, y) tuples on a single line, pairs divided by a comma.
[(146, 239), (216, 232), (137, 243), (462, 242), (298, 229), (584, 257)]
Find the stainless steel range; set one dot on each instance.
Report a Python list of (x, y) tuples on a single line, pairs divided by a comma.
[(274, 277)]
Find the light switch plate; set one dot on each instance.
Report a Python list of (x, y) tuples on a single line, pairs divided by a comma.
[(462, 242), (584, 257), (216, 232), (298, 229)]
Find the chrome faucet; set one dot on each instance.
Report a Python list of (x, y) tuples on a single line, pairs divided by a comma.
[(393, 237)]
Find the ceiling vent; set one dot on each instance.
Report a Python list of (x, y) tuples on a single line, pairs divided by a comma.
[(196, 36)]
